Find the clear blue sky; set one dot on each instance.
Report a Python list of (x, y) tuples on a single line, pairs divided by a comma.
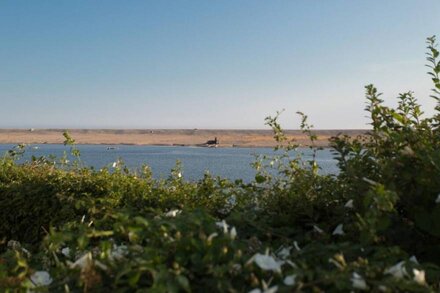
[(207, 64)]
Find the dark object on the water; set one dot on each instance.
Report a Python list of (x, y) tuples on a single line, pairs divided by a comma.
[(212, 142)]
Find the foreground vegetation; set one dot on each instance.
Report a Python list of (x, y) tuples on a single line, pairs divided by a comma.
[(374, 226)]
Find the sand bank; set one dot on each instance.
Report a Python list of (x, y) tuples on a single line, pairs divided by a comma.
[(184, 137)]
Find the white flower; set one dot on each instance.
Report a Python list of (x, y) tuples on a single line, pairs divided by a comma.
[(15, 245), (289, 280), (173, 213), (407, 151), (223, 225), (296, 245), (284, 252), (358, 282), (179, 175), (349, 204), (339, 230), (374, 183), (210, 237), (267, 262), (114, 164), (236, 267), (266, 288), (438, 199), (398, 270), (41, 278), (83, 262), (419, 276), (271, 289), (414, 259), (317, 229), (233, 233), (119, 251), (66, 251), (337, 264)]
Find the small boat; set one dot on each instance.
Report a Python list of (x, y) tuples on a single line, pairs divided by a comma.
[(212, 143)]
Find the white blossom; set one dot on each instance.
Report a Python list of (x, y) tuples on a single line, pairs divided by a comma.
[(349, 204), (317, 229), (358, 282), (179, 175), (284, 252), (83, 262), (337, 264), (115, 164), (292, 264), (407, 151), (172, 213), (438, 199), (398, 270), (339, 230), (374, 183), (212, 236), (233, 233), (236, 267), (295, 244), (267, 262), (66, 251), (289, 280), (119, 251), (41, 278), (271, 289), (414, 259), (15, 245), (223, 225), (419, 276), (266, 288)]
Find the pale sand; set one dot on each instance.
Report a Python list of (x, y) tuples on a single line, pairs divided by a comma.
[(187, 137)]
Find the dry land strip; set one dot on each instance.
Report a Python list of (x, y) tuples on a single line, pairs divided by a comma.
[(183, 137)]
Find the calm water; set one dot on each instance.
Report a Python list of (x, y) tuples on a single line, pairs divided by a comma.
[(232, 163)]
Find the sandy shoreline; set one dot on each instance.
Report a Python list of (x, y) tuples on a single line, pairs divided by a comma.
[(166, 137)]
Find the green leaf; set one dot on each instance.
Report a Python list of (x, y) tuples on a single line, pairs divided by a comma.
[(398, 117), (260, 178), (429, 221), (134, 279), (184, 283)]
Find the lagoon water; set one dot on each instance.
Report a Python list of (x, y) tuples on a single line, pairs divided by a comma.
[(231, 163)]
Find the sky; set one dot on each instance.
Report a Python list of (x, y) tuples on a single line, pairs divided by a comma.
[(208, 64)]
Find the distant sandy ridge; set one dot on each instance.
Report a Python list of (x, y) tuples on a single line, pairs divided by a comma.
[(184, 137)]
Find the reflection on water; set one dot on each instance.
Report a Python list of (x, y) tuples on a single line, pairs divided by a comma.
[(232, 163)]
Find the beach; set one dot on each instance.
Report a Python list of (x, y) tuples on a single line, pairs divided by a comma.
[(168, 137)]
